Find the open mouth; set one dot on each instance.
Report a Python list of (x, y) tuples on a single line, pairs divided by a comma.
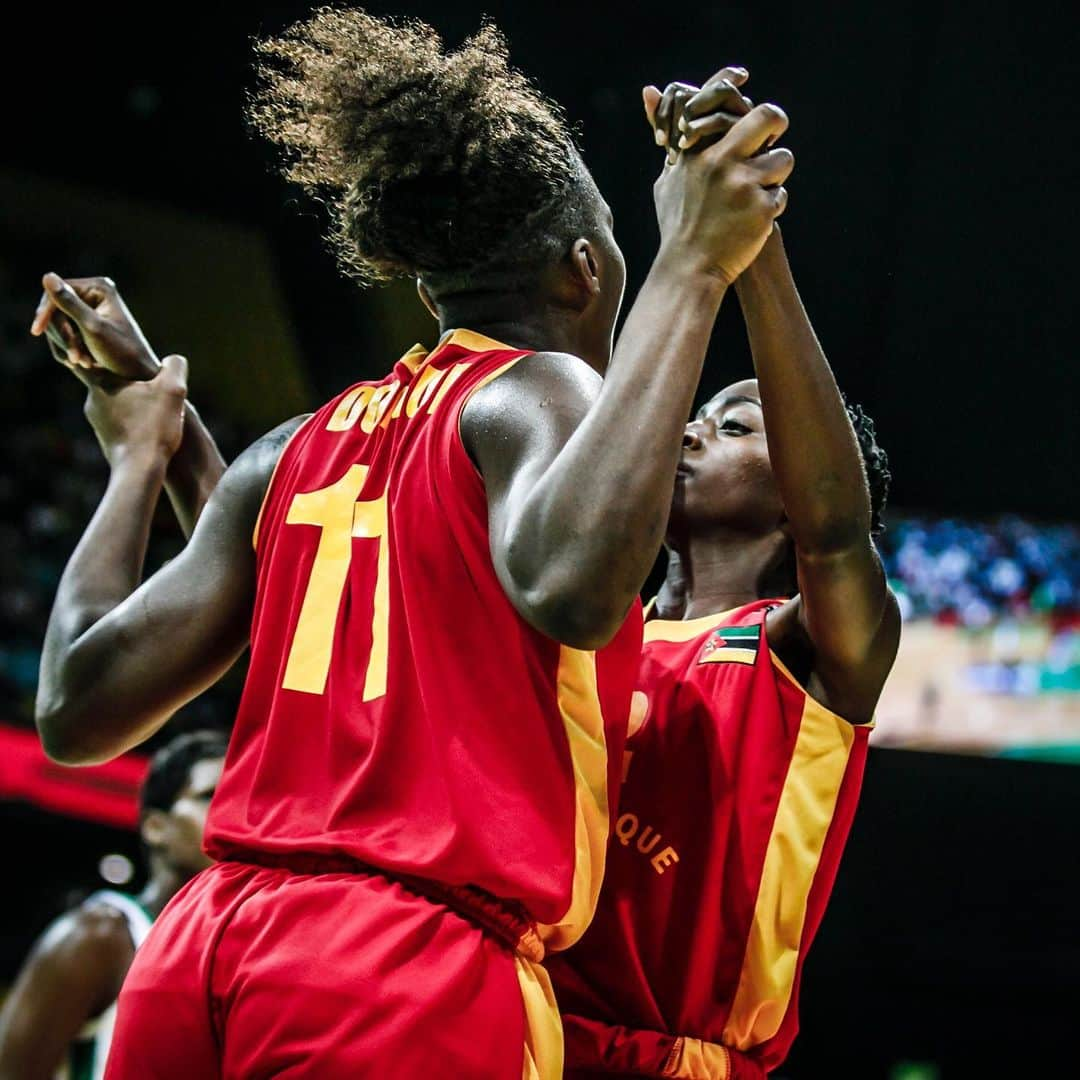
[(683, 470)]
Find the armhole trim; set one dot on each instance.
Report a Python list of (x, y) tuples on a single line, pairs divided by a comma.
[(491, 376), (273, 477), (782, 669)]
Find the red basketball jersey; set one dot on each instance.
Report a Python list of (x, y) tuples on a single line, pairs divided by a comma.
[(398, 710), (738, 796)]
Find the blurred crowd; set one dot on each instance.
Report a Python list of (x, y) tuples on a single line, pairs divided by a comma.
[(972, 572), (1012, 586)]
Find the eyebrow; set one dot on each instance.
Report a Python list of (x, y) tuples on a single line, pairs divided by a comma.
[(735, 399)]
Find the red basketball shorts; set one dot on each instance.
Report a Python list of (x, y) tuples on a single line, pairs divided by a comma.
[(255, 972)]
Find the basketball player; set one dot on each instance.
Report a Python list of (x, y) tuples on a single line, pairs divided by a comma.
[(437, 573), (763, 661), (58, 1019)]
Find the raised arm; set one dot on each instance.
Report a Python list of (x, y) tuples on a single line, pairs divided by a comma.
[(579, 473), (844, 608), (119, 657), (91, 332)]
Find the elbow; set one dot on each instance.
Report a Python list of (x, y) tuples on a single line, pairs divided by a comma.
[(831, 535), (587, 628), (68, 739), (572, 612), (60, 746)]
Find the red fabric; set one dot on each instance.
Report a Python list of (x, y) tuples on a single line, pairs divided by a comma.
[(107, 793), (665, 950), (461, 773), (611, 1049), (256, 972), (505, 920)]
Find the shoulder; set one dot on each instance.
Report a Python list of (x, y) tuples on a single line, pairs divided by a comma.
[(539, 381), (95, 934), (853, 689), (247, 478), (75, 969), (541, 396), (262, 456)]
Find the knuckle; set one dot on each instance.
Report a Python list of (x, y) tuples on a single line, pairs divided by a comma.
[(741, 192), (774, 113)]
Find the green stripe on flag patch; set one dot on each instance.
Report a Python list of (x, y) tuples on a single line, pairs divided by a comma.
[(732, 644)]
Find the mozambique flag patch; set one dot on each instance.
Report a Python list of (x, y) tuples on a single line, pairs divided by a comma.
[(732, 645)]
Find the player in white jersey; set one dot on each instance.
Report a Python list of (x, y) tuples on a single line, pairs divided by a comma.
[(57, 1020)]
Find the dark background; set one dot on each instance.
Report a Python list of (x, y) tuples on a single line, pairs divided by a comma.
[(932, 227), (932, 222)]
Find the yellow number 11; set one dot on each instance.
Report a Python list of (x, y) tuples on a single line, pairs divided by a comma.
[(341, 518)]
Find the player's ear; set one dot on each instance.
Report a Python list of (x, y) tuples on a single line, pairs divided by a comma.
[(154, 828), (574, 280), (585, 265), (425, 298)]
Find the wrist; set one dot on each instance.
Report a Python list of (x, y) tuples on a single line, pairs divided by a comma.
[(769, 262), (197, 452), (137, 458), (690, 274)]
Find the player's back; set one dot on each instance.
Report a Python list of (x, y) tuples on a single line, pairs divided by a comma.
[(398, 711)]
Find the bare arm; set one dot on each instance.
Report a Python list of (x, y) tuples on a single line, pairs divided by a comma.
[(73, 973), (194, 471), (579, 474), (120, 658), (579, 471), (844, 607)]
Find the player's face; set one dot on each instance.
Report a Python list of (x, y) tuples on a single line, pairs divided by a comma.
[(187, 818), (725, 478)]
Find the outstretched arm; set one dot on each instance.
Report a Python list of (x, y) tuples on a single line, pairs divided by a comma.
[(120, 658), (73, 973), (844, 607), (92, 333)]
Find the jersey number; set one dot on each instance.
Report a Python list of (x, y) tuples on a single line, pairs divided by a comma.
[(341, 518)]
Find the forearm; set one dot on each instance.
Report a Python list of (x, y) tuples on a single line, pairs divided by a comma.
[(609, 490), (194, 471), (813, 449), (105, 568)]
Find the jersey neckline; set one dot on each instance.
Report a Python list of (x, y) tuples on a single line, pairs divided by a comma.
[(678, 630), (418, 355)]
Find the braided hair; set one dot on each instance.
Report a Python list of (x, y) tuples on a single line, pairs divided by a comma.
[(875, 463)]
